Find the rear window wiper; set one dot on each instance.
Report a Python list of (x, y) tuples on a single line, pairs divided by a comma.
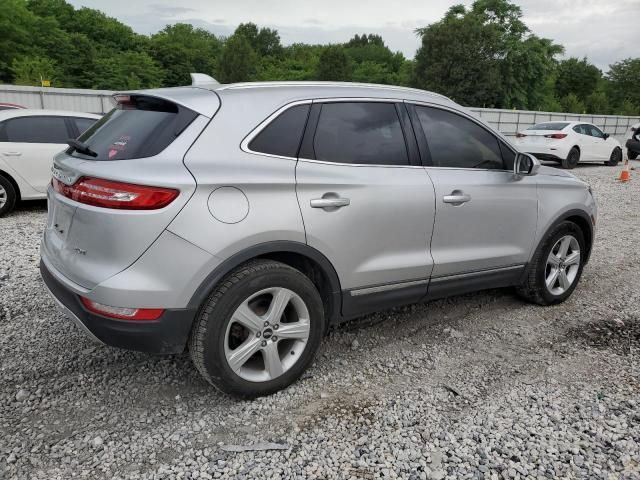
[(81, 147)]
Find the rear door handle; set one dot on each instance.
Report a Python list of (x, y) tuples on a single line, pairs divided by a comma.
[(330, 202), (11, 154), (456, 198)]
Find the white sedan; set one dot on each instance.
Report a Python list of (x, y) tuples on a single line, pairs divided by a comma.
[(28, 141), (569, 143)]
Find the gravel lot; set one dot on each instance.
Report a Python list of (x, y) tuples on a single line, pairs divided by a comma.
[(478, 386)]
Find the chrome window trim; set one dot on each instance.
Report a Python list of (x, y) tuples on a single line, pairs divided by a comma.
[(244, 145), (487, 128)]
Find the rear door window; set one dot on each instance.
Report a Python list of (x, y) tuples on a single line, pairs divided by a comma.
[(36, 129), (138, 127), (366, 133), (283, 135)]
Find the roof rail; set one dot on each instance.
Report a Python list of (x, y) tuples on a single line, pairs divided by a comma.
[(235, 86)]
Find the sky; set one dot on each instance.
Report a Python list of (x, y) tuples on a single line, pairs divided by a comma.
[(605, 31)]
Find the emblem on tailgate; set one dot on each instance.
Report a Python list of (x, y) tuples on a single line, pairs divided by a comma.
[(63, 177)]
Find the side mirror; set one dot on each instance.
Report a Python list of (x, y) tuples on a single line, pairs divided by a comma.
[(606, 135), (525, 165)]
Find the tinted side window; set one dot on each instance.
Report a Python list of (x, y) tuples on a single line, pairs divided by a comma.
[(360, 132), (455, 141), (35, 130), (283, 135), (83, 124), (595, 131)]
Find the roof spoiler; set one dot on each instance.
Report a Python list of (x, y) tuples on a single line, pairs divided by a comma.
[(203, 80)]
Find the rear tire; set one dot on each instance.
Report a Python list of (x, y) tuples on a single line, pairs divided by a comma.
[(615, 158), (541, 286), (632, 155), (8, 196), (572, 159), (244, 344)]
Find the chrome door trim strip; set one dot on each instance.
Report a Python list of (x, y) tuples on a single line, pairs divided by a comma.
[(385, 288), (477, 273)]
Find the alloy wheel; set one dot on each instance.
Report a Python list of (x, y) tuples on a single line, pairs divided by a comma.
[(3, 196), (563, 264), (267, 334)]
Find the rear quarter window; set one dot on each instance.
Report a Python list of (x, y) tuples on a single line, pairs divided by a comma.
[(139, 127)]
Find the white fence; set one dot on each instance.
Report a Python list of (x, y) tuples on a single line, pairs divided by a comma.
[(509, 122), (75, 100)]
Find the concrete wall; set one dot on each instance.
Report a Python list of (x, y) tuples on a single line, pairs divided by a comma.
[(76, 100), (509, 122)]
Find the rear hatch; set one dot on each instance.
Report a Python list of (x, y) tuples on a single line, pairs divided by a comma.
[(117, 190)]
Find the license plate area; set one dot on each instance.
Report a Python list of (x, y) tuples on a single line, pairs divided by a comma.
[(59, 220)]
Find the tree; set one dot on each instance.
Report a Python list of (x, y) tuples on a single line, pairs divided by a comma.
[(572, 104), (32, 70), (264, 41), (334, 65), (238, 62), (127, 71), (16, 26), (578, 77), (597, 103), (623, 85), (181, 49), (485, 56)]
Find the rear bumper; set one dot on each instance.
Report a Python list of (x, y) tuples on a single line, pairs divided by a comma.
[(169, 334), (544, 152)]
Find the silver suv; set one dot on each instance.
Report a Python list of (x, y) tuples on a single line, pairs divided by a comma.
[(241, 221)]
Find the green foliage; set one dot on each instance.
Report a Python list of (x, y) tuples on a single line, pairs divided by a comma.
[(238, 62), (32, 70), (578, 77), (334, 64), (480, 55), (181, 49), (623, 88), (572, 104), (127, 71)]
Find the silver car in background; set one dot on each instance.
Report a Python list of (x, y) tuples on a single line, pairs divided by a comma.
[(241, 221)]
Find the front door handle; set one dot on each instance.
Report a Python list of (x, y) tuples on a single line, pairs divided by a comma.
[(330, 202), (456, 198), (11, 154)]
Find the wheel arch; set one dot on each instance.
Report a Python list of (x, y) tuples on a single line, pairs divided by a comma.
[(297, 255), (582, 220), (13, 182)]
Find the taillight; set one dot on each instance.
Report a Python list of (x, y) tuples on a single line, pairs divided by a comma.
[(122, 313), (110, 194), (556, 135), (520, 135)]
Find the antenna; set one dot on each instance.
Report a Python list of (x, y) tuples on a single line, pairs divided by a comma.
[(203, 80)]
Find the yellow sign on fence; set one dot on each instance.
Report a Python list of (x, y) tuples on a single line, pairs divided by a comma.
[(46, 83)]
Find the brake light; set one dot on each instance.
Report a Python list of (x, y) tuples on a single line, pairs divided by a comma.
[(520, 135), (122, 313), (556, 135), (119, 195)]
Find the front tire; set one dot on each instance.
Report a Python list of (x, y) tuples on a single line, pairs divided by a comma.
[(259, 329), (572, 159), (615, 158), (8, 196), (556, 267)]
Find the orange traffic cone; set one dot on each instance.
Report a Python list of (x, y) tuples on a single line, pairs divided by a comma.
[(625, 174)]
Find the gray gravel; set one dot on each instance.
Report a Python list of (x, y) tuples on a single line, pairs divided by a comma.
[(478, 386)]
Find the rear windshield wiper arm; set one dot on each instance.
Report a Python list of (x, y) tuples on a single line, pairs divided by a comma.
[(80, 147)]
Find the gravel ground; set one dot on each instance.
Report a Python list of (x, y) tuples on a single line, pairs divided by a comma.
[(477, 386)]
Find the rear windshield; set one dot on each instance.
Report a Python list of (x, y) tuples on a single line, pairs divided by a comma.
[(138, 127), (549, 126)]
